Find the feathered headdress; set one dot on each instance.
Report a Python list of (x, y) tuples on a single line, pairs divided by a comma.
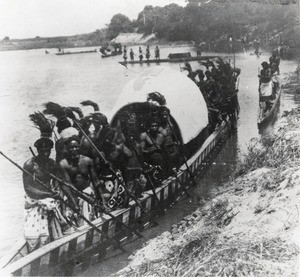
[(90, 103), (55, 109), (72, 110), (42, 123), (60, 113)]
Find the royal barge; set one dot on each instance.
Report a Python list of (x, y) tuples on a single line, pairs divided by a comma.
[(75, 252)]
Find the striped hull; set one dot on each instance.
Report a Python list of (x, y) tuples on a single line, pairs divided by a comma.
[(72, 254)]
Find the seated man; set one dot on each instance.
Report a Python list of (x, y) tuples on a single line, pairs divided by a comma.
[(151, 143), (79, 171), (42, 215)]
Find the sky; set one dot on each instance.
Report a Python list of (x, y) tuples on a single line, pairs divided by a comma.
[(49, 18)]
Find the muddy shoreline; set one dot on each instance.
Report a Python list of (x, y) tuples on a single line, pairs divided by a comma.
[(247, 227)]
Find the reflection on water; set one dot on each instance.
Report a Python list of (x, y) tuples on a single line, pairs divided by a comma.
[(30, 78)]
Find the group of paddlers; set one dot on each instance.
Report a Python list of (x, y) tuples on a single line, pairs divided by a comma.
[(268, 81), (141, 54), (218, 85), (96, 168)]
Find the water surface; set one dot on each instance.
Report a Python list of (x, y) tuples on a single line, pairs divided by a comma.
[(30, 78)]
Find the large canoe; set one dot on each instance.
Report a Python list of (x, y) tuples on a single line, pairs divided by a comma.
[(168, 60), (73, 253), (78, 52)]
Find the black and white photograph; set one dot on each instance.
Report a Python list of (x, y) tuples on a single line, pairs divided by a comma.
[(149, 138)]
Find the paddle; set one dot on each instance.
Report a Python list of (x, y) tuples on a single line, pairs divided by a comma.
[(181, 152), (175, 174), (89, 200), (115, 174), (114, 241), (148, 177)]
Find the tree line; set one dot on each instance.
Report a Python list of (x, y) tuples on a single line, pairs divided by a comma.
[(209, 23), (213, 22)]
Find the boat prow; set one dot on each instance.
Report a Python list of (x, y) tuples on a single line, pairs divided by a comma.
[(265, 116)]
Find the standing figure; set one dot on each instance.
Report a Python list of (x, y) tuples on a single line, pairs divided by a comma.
[(125, 53), (148, 53), (157, 54), (125, 57), (42, 215), (256, 45), (172, 158), (141, 54), (265, 86), (131, 53)]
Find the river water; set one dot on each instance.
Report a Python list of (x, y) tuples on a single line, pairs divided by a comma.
[(30, 78)]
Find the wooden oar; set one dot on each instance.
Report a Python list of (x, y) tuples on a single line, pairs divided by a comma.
[(175, 173), (89, 200), (116, 175), (148, 178), (114, 241)]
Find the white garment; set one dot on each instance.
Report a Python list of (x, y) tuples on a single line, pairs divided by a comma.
[(69, 132), (266, 89)]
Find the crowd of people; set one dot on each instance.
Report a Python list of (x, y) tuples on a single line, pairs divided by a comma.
[(99, 167), (218, 85), (92, 159), (268, 81), (141, 53)]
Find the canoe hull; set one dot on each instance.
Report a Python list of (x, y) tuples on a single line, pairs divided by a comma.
[(264, 118), (71, 53), (71, 254), (181, 60)]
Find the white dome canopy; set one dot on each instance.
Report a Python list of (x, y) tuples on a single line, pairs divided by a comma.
[(183, 97)]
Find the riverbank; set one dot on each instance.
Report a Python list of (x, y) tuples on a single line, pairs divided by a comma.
[(248, 227)]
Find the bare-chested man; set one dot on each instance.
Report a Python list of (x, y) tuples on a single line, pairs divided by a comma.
[(151, 143), (79, 171)]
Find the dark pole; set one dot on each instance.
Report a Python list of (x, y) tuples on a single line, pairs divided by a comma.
[(148, 178), (114, 173), (88, 199), (182, 153), (114, 241), (175, 175)]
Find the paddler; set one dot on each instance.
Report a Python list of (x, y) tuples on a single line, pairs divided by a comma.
[(170, 145), (157, 53), (141, 56), (42, 214), (79, 171), (151, 143), (148, 53), (64, 126), (265, 85), (131, 53)]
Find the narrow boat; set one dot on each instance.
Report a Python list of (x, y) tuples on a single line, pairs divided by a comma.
[(266, 112), (78, 52), (169, 60), (113, 49), (75, 252), (111, 54)]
